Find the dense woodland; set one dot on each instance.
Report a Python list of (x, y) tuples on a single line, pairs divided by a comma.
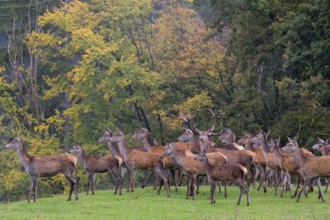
[(69, 69)]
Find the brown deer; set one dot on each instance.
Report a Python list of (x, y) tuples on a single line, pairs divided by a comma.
[(151, 145), (259, 159), (243, 157), (323, 147), (45, 166), (93, 164), (114, 149), (224, 172), (273, 162), (184, 160), (136, 159), (310, 167)]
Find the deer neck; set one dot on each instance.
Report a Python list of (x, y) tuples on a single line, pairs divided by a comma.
[(204, 147), (177, 156), (82, 158), (23, 157), (146, 143), (123, 149), (112, 148), (299, 160)]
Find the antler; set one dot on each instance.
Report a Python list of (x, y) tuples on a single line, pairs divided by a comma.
[(186, 119), (212, 129)]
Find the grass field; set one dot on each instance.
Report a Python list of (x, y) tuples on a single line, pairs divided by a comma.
[(145, 204)]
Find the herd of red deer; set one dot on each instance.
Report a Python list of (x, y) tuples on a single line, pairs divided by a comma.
[(243, 162)]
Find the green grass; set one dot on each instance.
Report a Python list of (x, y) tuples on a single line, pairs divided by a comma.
[(145, 204)]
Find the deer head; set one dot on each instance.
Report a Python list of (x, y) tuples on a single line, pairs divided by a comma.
[(168, 150), (188, 135), (227, 137), (117, 137), (77, 150), (106, 135), (15, 144), (140, 134)]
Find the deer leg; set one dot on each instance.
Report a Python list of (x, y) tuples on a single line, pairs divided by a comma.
[(298, 185), (189, 183), (288, 176), (193, 186), (318, 182), (180, 178), (276, 182), (249, 177), (35, 189), (132, 178), (159, 171), (287, 182), (88, 182), (146, 180), (71, 188), (73, 184), (31, 188), (174, 179), (326, 184), (213, 188), (225, 186), (219, 184), (198, 183), (255, 173), (240, 195), (118, 177), (93, 183), (131, 173), (306, 183)]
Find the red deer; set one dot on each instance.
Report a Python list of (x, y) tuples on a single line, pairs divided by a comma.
[(224, 172), (323, 147), (259, 159), (184, 160), (243, 157), (151, 145), (93, 164), (273, 158), (114, 149), (135, 159), (310, 167), (45, 166)]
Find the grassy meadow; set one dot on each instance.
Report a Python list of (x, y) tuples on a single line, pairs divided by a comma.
[(145, 204)]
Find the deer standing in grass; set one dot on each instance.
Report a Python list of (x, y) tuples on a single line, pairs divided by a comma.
[(151, 146), (224, 172), (310, 167), (184, 160), (93, 164), (273, 157), (45, 166), (259, 159), (323, 147), (135, 159)]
